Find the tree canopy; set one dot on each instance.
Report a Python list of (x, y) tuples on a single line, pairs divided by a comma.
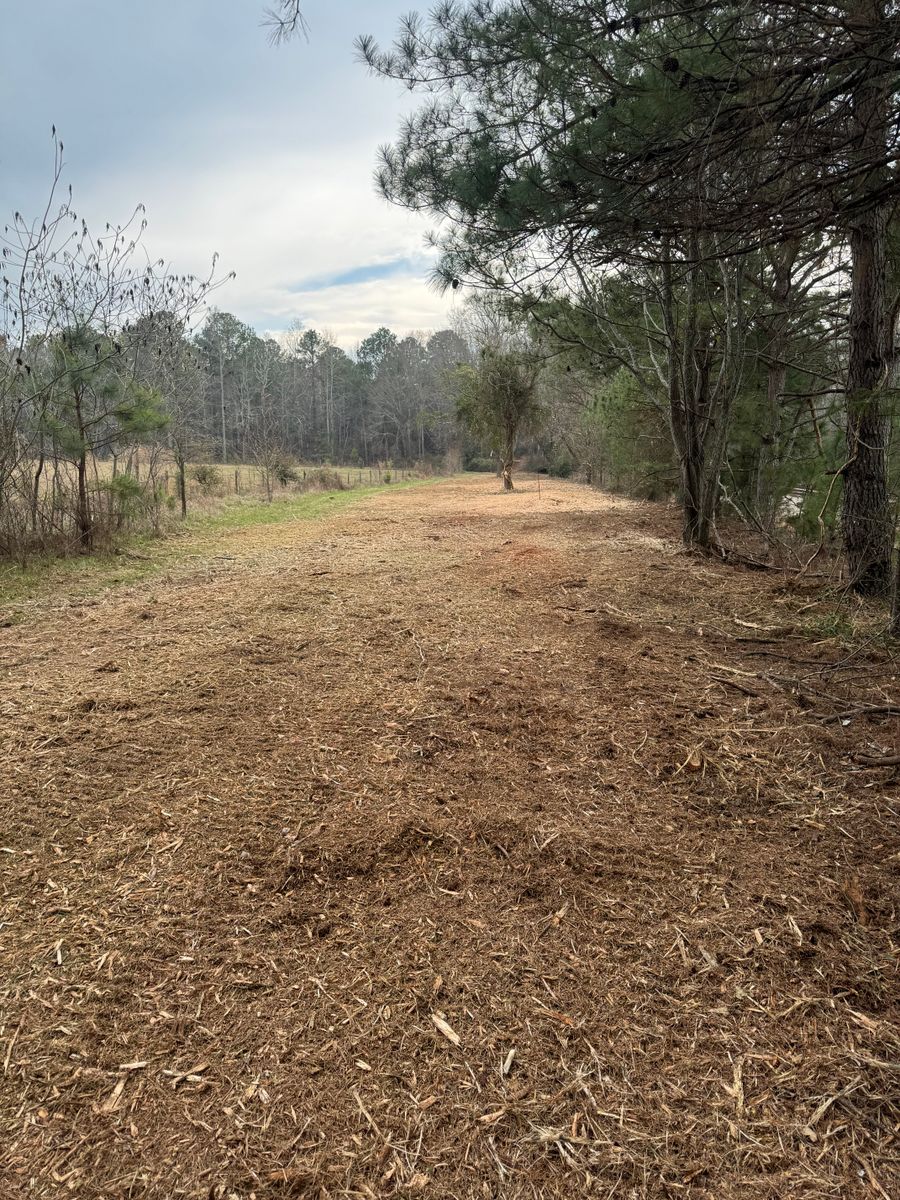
[(561, 140)]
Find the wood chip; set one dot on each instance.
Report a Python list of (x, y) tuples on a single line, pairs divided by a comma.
[(441, 1025), (111, 1103)]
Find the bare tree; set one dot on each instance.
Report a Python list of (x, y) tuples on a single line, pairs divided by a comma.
[(75, 308)]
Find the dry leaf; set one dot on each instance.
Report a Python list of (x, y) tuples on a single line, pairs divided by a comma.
[(854, 893)]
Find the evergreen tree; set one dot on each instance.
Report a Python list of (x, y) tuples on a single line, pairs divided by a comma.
[(97, 408), (561, 132), (496, 400)]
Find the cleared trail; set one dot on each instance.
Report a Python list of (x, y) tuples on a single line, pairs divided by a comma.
[(458, 845)]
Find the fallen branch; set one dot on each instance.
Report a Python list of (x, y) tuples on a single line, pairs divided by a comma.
[(871, 760), (738, 687), (863, 710)]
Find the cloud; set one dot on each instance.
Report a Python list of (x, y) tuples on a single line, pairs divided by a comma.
[(404, 303), (306, 237), (265, 157)]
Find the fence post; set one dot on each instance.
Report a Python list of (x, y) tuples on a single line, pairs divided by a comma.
[(237, 481)]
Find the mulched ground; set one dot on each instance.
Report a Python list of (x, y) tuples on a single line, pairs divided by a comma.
[(461, 845)]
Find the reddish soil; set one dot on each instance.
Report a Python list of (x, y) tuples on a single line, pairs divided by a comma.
[(460, 845)]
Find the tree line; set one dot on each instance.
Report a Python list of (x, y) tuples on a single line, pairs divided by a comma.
[(117, 379), (677, 225), (305, 397)]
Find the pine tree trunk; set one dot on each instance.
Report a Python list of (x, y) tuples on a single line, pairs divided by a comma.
[(699, 460), (222, 406), (681, 346), (182, 486), (867, 526), (83, 512), (83, 521), (767, 461), (776, 333), (866, 517)]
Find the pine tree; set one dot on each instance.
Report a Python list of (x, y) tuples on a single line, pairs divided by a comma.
[(560, 132), (497, 400)]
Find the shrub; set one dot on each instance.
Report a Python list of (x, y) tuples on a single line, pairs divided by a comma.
[(325, 479), (537, 463), (119, 501), (126, 492), (284, 472), (561, 465), (208, 477)]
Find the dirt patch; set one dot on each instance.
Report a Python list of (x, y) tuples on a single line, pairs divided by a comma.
[(460, 845)]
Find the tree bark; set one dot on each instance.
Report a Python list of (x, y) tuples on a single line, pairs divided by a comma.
[(867, 525), (895, 604), (36, 486), (83, 521), (182, 486), (866, 513), (83, 512), (686, 384), (222, 405), (775, 330), (507, 458)]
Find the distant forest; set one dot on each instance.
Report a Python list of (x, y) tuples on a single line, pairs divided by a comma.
[(390, 400), (122, 389)]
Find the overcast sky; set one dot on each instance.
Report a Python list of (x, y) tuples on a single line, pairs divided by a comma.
[(264, 155)]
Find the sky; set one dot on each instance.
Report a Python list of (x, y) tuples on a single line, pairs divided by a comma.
[(263, 155)]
